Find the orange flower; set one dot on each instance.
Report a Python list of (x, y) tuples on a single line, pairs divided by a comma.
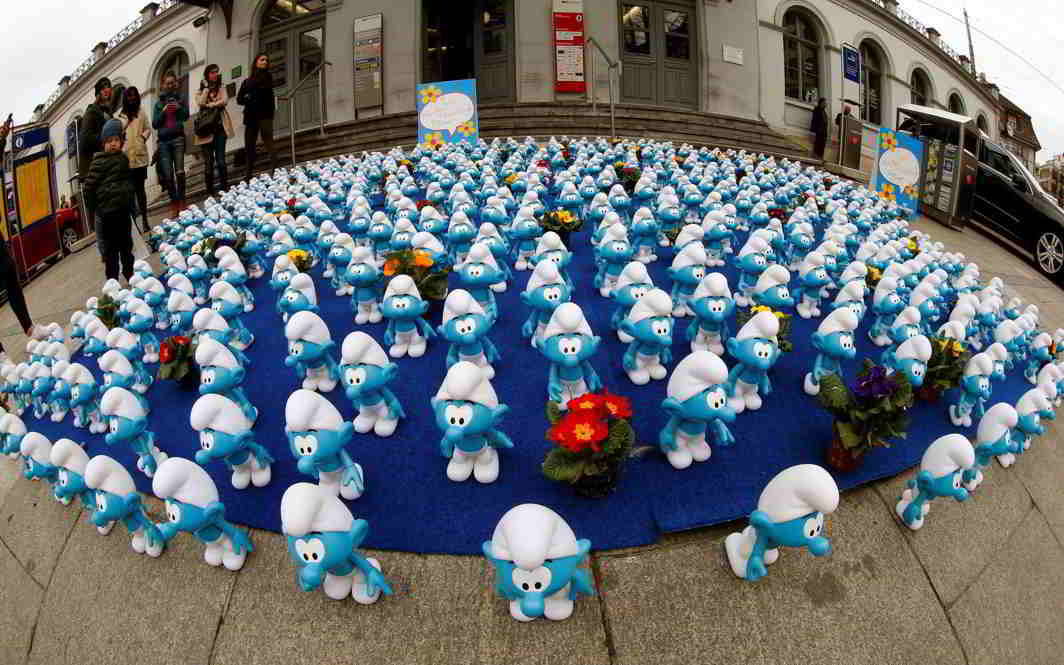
[(390, 266), (619, 407), (422, 259), (578, 431)]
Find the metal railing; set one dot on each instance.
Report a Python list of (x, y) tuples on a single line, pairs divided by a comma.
[(290, 98), (908, 19), (611, 64)]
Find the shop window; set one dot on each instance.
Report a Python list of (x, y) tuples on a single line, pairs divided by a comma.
[(919, 87), (636, 22)]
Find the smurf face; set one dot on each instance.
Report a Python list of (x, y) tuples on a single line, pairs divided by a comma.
[(465, 329), (903, 332), (570, 349), (653, 330), (12, 444), (400, 240), (109, 507), (312, 448), (227, 309), (560, 257), (69, 484), (710, 404), (111, 379), (754, 262), (123, 429), (215, 444), (776, 296), (459, 419), (837, 344), (479, 274), (713, 309), (756, 352), (281, 278), (913, 370), (547, 297), (999, 371), (434, 225), (215, 379), (293, 301), (949, 485), (318, 552), (182, 320), (304, 351), (364, 378), (403, 307), (185, 516), (532, 587), (380, 232), (361, 274), (803, 532), (691, 275), (339, 255), (855, 306), (616, 251), (82, 393), (628, 295)]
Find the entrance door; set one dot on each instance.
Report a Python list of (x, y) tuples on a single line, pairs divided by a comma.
[(451, 51), (493, 49), (659, 51), (295, 48)]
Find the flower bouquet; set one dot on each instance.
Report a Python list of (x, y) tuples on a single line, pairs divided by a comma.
[(107, 311), (429, 276), (592, 441), (177, 361), (866, 416), (422, 203), (561, 222), (300, 259), (629, 176), (949, 357), (783, 336)]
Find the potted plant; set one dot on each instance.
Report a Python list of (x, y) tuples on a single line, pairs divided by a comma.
[(742, 315), (629, 176), (177, 362), (429, 276), (591, 440), (867, 416), (561, 222), (949, 357)]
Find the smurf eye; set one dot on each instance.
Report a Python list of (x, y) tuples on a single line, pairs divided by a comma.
[(207, 378), (458, 416), (173, 512), (63, 478), (306, 445), (620, 247), (698, 273), (956, 481), (918, 370), (811, 527), (113, 425), (291, 296), (206, 440), (661, 328), (716, 399), (784, 292), (356, 376), (295, 348), (101, 503)]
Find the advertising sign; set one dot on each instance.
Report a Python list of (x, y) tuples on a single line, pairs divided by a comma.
[(897, 176), (568, 22), (447, 112)]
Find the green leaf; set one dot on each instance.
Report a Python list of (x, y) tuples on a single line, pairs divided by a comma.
[(562, 466), (848, 434), (554, 412), (620, 438), (834, 395)]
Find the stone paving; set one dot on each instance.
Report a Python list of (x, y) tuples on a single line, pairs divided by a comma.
[(982, 583)]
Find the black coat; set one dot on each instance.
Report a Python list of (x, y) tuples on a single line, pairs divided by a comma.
[(89, 144), (819, 124), (256, 96), (107, 187)]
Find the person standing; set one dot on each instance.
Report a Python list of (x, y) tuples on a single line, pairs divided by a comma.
[(9, 273), (256, 96), (168, 121), (108, 189), (819, 127), (92, 121), (212, 96), (137, 131)]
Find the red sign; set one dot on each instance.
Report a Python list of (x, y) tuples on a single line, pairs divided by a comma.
[(568, 24)]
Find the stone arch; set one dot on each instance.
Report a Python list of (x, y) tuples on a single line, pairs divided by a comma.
[(825, 25), (915, 67)]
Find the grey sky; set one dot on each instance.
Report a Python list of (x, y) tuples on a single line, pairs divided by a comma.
[(43, 40)]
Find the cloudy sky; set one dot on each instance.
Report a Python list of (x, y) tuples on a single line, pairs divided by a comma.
[(38, 53)]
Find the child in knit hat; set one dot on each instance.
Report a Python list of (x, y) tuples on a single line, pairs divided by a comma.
[(109, 192)]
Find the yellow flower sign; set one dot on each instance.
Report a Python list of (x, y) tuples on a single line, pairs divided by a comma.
[(433, 140), (430, 95)]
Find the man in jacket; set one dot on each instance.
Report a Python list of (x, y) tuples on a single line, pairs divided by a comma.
[(168, 120), (92, 121)]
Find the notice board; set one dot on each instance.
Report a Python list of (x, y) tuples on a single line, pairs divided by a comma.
[(568, 23), (368, 60)]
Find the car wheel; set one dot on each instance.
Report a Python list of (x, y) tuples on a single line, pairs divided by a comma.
[(70, 238)]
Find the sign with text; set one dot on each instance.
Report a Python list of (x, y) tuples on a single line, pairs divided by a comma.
[(568, 22), (368, 56), (851, 63), (897, 176), (447, 112)]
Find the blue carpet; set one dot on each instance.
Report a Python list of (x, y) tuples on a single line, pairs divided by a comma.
[(411, 505)]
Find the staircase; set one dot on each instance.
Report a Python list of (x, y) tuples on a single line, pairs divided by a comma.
[(517, 120)]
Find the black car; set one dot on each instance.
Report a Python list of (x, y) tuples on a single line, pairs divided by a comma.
[(1010, 202)]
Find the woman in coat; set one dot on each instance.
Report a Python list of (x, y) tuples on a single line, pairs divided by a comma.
[(212, 95), (137, 130), (256, 96)]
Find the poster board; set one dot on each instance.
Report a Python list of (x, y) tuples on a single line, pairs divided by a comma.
[(567, 21), (368, 61), (898, 169), (447, 112)]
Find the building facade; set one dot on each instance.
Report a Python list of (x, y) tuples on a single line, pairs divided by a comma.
[(1051, 177), (763, 61), (1017, 133)]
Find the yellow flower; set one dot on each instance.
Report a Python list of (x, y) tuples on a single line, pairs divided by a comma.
[(760, 308), (422, 259), (956, 348), (888, 141), (874, 273), (430, 94), (467, 129), (433, 140), (510, 179)]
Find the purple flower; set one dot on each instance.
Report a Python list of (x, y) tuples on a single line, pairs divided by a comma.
[(874, 384)]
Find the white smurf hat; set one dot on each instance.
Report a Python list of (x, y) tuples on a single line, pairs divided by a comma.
[(774, 275), (307, 326), (183, 480), (114, 362), (996, 423), (1042, 340), (70, 456), (281, 263), (303, 283), (799, 490), (692, 254), (633, 273), (118, 401), (120, 338), (212, 353), (755, 244), (761, 325), (427, 241), (713, 285), (695, 373), (980, 363), (139, 307), (921, 293), (567, 318), (12, 424), (402, 285), (839, 320), (855, 270), (229, 260), (550, 242), (544, 274), (908, 316), (222, 290), (852, 290), (886, 286), (37, 447), (78, 373), (307, 410), (307, 508), (613, 233), (481, 253), (689, 233), (1031, 401), (361, 349), (106, 474), (361, 254), (918, 348), (219, 413), (460, 303), (181, 283), (196, 261), (465, 381), (208, 319), (953, 330), (653, 304), (997, 351), (529, 534)]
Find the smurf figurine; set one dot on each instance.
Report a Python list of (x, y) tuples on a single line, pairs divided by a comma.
[(466, 327), (751, 261), (1030, 409), (886, 304), (84, 398), (790, 512), (363, 277), (940, 476), (366, 373), (231, 269), (468, 413), (834, 343), (477, 274), (407, 332), (992, 438), (310, 351), (538, 563), (687, 270), (12, 430), (712, 306), (612, 254), (192, 505), (649, 324), (812, 278), (128, 344), (633, 283), (70, 460), (569, 345), (771, 289), (229, 304), (36, 451), (141, 323), (128, 423), (974, 390), (318, 436), (225, 434), (117, 499), (695, 402), (545, 290), (1038, 355), (323, 540), (299, 296), (911, 358), (756, 349)]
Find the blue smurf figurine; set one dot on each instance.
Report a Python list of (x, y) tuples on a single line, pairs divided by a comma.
[(299, 296), (117, 499), (117, 371), (128, 344), (141, 323), (790, 513), (318, 437), (477, 274), (1032, 406), (696, 401), (366, 373), (712, 306), (834, 343), (310, 351), (193, 506), (468, 413), (612, 253), (545, 290), (1038, 354), (992, 438), (407, 332), (229, 304), (906, 324), (911, 358), (41, 388), (323, 540), (523, 234), (974, 390), (200, 275), (756, 350), (886, 304), (182, 309), (812, 278), (751, 261), (84, 398), (231, 269), (59, 398), (225, 434), (538, 563), (569, 345), (127, 419), (36, 451), (687, 270), (550, 246), (70, 460), (771, 289), (338, 259), (12, 429), (941, 468), (649, 324), (363, 277), (633, 283), (466, 327)]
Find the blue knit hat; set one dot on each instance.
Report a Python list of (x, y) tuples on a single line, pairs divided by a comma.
[(112, 127)]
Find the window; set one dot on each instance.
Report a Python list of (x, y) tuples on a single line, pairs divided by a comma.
[(635, 20), (117, 91), (677, 35), (919, 87), (956, 104), (283, 10), (983, 124), (801, 57), (871, 83)]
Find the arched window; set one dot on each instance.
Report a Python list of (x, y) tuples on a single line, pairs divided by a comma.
[(872, 61), (983, 124), (919, 87), (956, 104), (801, 57), (177, 62)]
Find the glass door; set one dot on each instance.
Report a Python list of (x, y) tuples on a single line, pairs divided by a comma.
[(277, 50), (658, 49), (494, 51), (308, 99)]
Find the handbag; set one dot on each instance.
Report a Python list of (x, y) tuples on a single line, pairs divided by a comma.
[(207, 121)]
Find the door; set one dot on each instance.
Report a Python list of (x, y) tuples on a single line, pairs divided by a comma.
[(494, 52), (311, 47), (295, 48), (276, 48), (998, 202), (451, 51), (659, 53)]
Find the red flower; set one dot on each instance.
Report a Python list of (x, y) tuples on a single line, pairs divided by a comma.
[(291, 203), (578, 431), (181, 339), (586, 403), (166, 352), (618, 407)]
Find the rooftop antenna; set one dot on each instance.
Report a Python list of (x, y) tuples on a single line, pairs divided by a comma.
[(971, 51)]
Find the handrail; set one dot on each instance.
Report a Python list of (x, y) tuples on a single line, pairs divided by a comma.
[(612, 65), (291, 106)]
